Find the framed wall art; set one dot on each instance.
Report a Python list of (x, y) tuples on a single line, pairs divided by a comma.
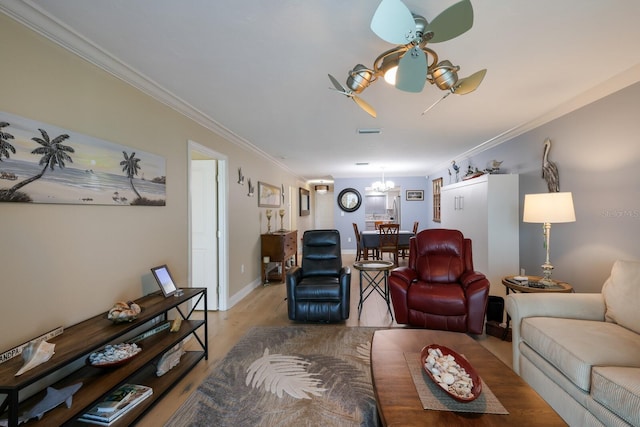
[(42, 163), (415, 195), (305, 204), (269, 196)]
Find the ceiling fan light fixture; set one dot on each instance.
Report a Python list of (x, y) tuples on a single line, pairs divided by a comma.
[(359, 78), (389, 67), (390, 75), (445, 75)]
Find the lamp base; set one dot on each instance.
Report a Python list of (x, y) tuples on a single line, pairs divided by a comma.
[(546, 274)]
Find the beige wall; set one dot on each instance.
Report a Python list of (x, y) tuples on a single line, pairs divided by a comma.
[(64, 263)]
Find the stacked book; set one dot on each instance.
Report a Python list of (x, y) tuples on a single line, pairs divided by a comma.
[(116, 404)]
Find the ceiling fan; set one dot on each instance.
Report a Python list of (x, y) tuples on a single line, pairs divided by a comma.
[(411, 63)]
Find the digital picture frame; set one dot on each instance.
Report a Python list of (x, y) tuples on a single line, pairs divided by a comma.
[(164, 279)]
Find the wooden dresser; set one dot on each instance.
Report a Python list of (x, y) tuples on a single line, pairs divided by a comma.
[(279, 246)]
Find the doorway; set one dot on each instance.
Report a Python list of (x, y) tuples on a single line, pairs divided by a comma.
[(208, 240)]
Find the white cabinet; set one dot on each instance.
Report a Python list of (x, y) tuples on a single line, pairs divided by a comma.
[(485, 209)]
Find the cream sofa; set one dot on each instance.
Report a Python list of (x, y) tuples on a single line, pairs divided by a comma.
[(581, 352)]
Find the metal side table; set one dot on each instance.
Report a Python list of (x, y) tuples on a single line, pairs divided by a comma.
[(373, 278)]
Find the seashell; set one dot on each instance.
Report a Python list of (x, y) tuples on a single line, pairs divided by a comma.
[(448, 379), (448, 374), (124, 311), (36, 354)]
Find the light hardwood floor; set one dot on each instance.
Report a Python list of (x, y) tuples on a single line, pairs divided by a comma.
[(266, 306)]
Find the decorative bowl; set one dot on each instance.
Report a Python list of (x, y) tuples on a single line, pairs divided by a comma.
[(123, 312), (461, 362), (112, 356)]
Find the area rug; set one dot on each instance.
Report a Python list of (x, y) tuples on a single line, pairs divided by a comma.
[(317, 375)]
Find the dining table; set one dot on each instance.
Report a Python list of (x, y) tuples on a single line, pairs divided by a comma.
[(370, 239)]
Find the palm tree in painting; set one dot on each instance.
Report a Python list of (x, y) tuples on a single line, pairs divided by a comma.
[(53, 153), (130, 167), (5, 146)]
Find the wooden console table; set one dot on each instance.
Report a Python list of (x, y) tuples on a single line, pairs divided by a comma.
[(279, 246), (79, 340)]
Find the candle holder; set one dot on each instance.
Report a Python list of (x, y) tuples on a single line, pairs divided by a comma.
[(269, 214), (266, 260), (281, 220)]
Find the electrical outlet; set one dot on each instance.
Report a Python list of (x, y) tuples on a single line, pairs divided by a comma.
[(522, 272), (349, 239), (242, 268)]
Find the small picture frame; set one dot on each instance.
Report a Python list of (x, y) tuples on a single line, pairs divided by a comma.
[(415, 195), (268, 195), (305, 206), (165, 281)]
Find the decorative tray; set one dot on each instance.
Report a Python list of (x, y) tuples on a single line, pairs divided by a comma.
[(451, 372), (112, 356)]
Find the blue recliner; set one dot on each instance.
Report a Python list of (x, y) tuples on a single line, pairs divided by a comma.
[(319, 289)]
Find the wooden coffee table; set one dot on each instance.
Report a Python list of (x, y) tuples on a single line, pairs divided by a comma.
[(398, 401)]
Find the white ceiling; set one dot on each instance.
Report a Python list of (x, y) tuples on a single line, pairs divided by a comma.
[(256, 71)]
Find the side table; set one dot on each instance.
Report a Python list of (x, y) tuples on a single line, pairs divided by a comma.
[(375, 275), (512, 285)]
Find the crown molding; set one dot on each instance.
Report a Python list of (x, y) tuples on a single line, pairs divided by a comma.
[(33, 17), (618, 82)]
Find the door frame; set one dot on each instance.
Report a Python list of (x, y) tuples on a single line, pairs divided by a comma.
[(222, 227)]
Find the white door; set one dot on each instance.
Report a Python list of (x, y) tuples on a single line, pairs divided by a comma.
[(204, 223), (324, 211)]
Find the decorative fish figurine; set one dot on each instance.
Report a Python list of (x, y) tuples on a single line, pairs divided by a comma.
[(51, 400)]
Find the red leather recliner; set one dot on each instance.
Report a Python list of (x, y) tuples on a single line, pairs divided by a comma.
[(439, 288)]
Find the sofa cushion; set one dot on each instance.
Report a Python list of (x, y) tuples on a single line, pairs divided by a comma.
[(621, 294), (574, 346), (618, 389)]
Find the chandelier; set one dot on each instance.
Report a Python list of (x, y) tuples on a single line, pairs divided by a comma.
[(382, 186)]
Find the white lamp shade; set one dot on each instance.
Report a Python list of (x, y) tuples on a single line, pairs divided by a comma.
[(549, 207)]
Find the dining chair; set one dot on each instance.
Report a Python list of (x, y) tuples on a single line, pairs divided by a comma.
[(388, 234), (404, 249), (361, 249)]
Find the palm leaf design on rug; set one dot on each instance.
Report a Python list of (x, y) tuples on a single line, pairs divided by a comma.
[(363, 351), (280, 373), (325, 366)]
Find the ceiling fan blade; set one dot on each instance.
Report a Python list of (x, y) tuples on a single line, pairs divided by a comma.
[(337, 84), (452, 22), (471, 83), (393, 22), (435, 103), (412, 71), (365, 106)]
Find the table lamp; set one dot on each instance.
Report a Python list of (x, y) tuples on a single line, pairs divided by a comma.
[(547, 208)]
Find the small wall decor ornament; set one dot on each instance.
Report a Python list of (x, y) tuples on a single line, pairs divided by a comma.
[(251, 188), (549, 169)]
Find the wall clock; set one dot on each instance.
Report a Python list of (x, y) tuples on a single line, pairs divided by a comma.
[(349, 200)]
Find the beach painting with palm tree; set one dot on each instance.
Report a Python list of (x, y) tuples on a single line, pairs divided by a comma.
[(42, 163)]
